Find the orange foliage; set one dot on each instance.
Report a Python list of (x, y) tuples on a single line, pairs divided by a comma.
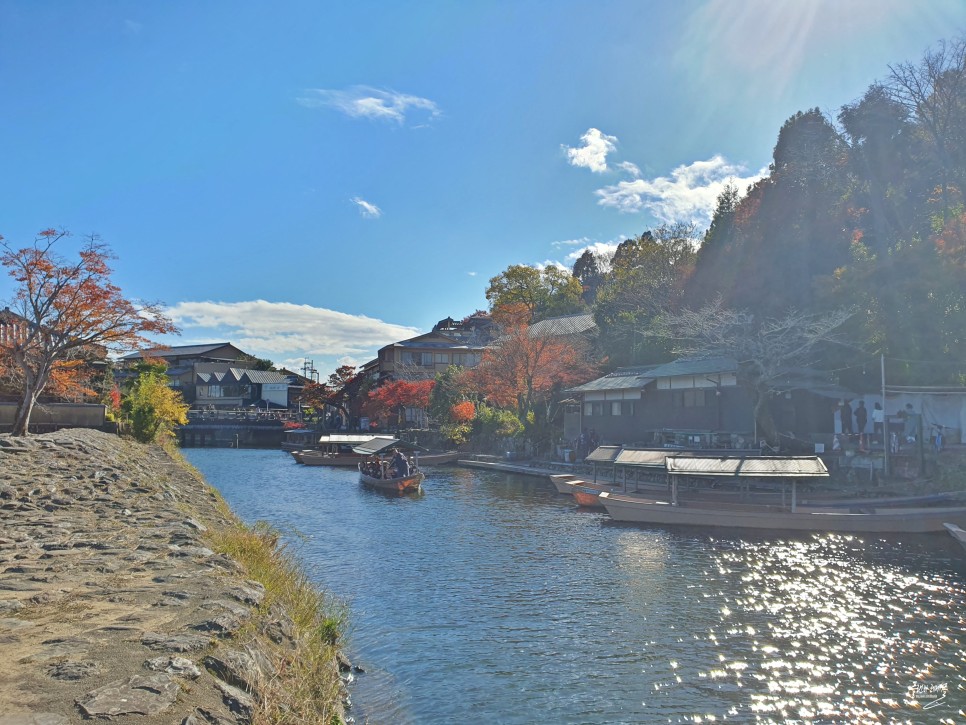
[(463, 412), (400, 394), (951, 243), (70, 311), (523, 368)]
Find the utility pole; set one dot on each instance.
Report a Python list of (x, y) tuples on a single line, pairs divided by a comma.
[(886, 438)]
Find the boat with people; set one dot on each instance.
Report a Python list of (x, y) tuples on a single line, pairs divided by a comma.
[(335, 449), (396, 475)]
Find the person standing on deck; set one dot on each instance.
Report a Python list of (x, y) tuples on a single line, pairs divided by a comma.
[(845, 413), (878, 422), (861, 417)]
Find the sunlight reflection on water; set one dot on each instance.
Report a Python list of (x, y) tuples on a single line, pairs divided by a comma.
[(492, 599)]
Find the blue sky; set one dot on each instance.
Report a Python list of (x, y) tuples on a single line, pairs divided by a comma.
[(315, 180)]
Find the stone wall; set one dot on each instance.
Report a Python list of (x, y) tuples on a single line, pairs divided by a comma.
[(112, 604)]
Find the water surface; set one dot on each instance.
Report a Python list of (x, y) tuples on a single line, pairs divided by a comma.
[(491, 598)]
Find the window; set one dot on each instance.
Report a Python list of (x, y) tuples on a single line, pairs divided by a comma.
[(627, 407), (459, 359), (442, 357), (693, 398), (615, 407), (588, 409)]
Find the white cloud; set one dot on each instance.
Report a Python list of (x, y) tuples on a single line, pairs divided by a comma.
[(287, 333), (630, 168), (593, 154), (372, 103), (570, 242), (690, 193), (471, 274), (603, 250), (366, 208)]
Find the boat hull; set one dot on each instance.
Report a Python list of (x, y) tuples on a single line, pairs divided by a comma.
[(648, 511), (957, 533), (587, 497), (406, 484)]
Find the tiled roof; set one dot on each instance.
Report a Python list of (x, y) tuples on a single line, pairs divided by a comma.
[(175, 351), (695, 366), (630, 378), (264, 376), (559, 326)]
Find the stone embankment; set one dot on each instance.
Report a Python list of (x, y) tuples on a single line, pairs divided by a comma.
[(114, 605)]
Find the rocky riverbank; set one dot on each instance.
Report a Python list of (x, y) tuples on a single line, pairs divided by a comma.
[(115, 603)]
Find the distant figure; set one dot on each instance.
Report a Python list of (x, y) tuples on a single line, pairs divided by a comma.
[(400, 465), (861, 416), (911, 428), (845, 413), (878, 422)]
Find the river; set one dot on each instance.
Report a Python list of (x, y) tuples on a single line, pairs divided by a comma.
[(491, 598)]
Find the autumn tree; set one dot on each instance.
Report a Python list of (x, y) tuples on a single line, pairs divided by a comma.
[(339, 391), (395, 396), (766, 349), (523, 371), (68, 308), (550, 292), (150, 405)]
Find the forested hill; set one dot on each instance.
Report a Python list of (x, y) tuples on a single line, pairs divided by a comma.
[(855, 237), (865, 211)]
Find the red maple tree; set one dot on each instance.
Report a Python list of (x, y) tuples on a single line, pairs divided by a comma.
[(522, 369), (66, 311), (393, 396)]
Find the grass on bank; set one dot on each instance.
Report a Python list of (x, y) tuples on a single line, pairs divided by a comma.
[(307, 687)]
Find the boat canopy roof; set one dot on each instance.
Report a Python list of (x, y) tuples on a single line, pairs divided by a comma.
[(381, 443), (748, 466), (352, 438), (603, 454)]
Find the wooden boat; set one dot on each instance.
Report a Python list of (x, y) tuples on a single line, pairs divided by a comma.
[(957, 533), (586, 496), (299, 439), (335, 449), (636, 509), (561, 482), (406, 484)]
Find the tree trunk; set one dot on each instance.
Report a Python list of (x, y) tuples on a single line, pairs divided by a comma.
[(22, 420), (764, 419)]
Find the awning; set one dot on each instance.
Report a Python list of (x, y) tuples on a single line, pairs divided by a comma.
[(381, 444), (748, 466)]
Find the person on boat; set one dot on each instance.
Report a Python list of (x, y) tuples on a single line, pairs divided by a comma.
[(400, 465)]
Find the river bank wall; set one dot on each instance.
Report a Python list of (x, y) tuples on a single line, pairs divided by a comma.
[(115, 603)]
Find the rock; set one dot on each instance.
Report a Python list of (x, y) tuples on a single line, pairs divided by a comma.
[(224, 625), (251, 593), (73, 670), (238, 669), (204, 717), (175, 642), (137, 695), (34, 718), (241, 705), (174, 666)]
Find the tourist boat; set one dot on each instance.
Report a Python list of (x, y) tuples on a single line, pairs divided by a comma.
[(299, 439), (335, 449), (957, 533), (885, 520), (405, 484), (421, 456)]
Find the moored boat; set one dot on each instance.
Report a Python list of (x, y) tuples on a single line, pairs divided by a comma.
[(587, 497), (636, 509), (957, 533)]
